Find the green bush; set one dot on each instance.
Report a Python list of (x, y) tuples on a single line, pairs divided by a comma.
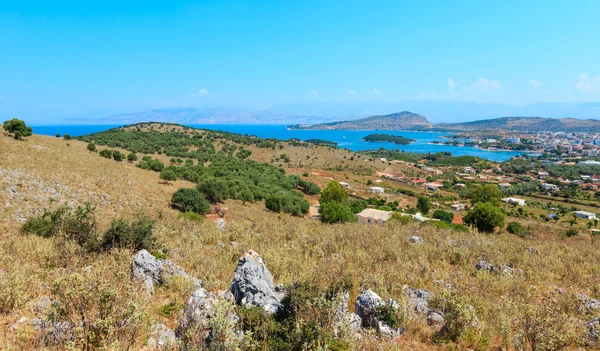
[(67, 137), (168, 175), (135, 235), (398, 217), (517, 229), (106, 153), (192, 216), (91, 147), (273, 203), (485, 217), (335, 212), (17, 128), (571, 232), (444, 216), (423, 204), (190, 200), (333, 192), (118, 156), (132, 157)]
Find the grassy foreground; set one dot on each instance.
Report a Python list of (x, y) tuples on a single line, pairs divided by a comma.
[(536, 311)]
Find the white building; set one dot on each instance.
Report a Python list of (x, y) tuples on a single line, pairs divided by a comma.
[(345, 185), (377, 190), (373, 216), (585, 214), (513, 140), (457, 207), (514, 200), (549, 187)]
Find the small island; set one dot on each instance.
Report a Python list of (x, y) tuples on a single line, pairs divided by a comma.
[(321, 142), (396, 139)]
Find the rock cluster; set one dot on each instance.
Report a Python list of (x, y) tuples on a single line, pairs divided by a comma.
[(507, 270), (150, 271), (587, 305), (253, 285), (366, 308)]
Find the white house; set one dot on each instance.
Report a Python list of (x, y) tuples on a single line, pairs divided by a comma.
[(345, 185), (514, 200), (469, 170), (373, 216), (585, 214), (457, 207), (377, 190), (549, 187)]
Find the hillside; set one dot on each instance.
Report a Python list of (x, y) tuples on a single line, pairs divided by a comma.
[(397, 121), (56, 294), (525, 124)]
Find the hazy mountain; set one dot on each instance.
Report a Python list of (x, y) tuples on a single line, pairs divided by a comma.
[(205, 116), (526, 124), (397, 121)]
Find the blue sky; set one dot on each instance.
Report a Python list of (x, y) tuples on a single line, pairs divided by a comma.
[(68, 57)]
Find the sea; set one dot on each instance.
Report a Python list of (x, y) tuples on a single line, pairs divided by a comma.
[(347, 139)]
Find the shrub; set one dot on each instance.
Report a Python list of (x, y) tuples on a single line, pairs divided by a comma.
[(156, 165), (91, 147), (485, 193), (444, 216), (18, 128), (571, 232), (458, 314), (168, 175), (118, 156), (135, 235), (190, 200), (333, 192), (358, 205), (273, 203), (192, 216), (67, 137), (485, 217), (132, 157), (215, 190), (106, 153), (423, 204), (335, 212), (58, 135), (517, 229), (398, 217), (309, 188)]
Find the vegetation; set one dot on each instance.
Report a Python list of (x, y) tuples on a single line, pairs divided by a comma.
[(388, 138), (336, 212), (17, 128), (190, 200), (445, 216), (423, 204), (485, 216)]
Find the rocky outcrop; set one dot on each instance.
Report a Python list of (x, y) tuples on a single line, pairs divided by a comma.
[(416, 240), (435, 318), (200, 313), (150, 271), (162, 338), (366, 308), (418, 299), (587, 305), (253, 285), (506, 270), (593, 332), (54, 333)]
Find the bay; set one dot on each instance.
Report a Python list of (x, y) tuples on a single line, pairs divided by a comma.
[(344, 138)]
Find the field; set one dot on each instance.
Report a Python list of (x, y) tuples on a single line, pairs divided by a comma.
[(538, 309)]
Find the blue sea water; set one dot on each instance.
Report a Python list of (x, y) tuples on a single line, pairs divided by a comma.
[(345, 138)]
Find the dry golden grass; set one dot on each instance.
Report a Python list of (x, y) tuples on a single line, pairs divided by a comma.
[(294, 249)]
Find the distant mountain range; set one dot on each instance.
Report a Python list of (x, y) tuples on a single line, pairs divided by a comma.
[(205, 116), (411, 121)]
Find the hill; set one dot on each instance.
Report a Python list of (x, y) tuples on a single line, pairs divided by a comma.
[(396, 121), (525, 124), (56, 294)]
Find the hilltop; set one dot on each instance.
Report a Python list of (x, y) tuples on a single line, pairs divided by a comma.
[(396, 121)]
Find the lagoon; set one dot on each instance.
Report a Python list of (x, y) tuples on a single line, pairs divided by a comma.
[(348, 139)]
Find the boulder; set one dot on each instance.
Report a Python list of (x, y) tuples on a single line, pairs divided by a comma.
[(151, 271), (587, 305), (416, 240), (435, 318), (54, 333), (506, 270), (252, 284), (593, 331), (365, 306), (201, 309), (162, 338), (532, 250), (418, 299)]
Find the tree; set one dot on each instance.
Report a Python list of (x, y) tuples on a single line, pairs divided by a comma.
[(190, 200), (106, 153), (485, 193), (132, 157), (91, 147), (485, 217), (18, 128), (423, 204), (336, 212), (67, 137), (58, 135), (118, 156), (444, 216), (273, 203), (333, 192), (215, 190), (168, 175)]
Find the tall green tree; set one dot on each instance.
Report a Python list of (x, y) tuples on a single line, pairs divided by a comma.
[(485, 193), (17, 128), (485, 216), (333, 192), (423, 204)]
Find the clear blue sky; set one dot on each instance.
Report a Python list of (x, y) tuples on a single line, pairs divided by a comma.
[(72, 56)]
